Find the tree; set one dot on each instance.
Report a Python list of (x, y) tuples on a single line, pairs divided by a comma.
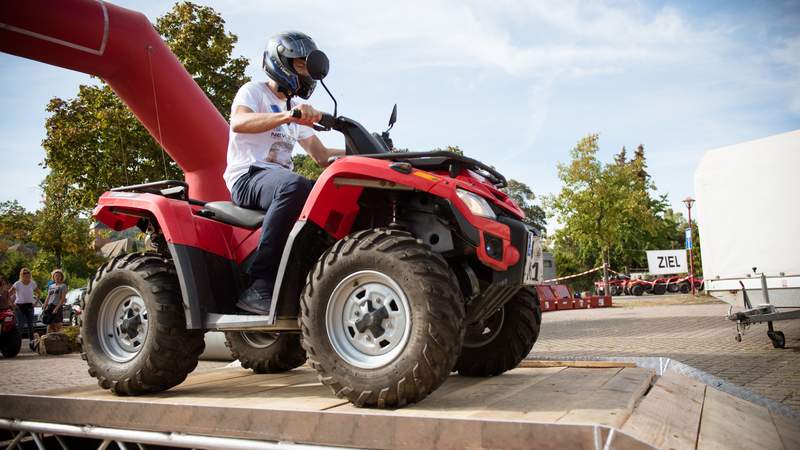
[(59, 229), (15, 224), (524, 197), (196, 34), (306, 166), (608, 211), (94, 142)]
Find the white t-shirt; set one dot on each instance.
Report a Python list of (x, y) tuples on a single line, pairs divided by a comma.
[(273, 147), (24, 292)]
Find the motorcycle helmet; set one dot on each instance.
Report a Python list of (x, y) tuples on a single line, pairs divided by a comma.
[(277, 63)]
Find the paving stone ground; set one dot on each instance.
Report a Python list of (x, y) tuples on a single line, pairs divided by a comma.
[(694, 334), (30, 372)]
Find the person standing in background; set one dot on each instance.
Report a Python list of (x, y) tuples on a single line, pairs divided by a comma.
[(56, 296), (25, 290)]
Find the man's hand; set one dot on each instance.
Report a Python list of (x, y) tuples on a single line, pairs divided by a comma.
[(309, 115)]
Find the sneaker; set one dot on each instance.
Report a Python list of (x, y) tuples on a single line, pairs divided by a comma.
[(257, 298)]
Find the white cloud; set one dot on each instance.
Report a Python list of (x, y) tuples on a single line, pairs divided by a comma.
[(592, 37)]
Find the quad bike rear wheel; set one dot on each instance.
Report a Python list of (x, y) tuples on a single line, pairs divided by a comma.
[(499, 343), (382, 319), (637, 290), (266, 352), (11, 343), (659, 289), (134, 329), (673, 287), (685, 287)]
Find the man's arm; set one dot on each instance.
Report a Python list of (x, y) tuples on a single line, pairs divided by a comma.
[(317, 150), (245, 120)]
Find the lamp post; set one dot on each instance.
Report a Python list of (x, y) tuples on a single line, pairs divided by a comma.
[(689, 201)]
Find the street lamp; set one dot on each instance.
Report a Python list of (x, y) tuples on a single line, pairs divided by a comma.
[(689, 201)]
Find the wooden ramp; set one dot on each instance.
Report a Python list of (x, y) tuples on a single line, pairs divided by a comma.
[(538, 405)]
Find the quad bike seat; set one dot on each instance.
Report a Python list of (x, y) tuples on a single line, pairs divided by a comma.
[(229, 213)]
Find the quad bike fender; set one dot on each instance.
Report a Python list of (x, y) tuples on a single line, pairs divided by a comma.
[(333, 202), (201, 249)]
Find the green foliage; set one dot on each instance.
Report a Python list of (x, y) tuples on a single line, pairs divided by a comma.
[(524, 197), (608, 212), (94, 142), (11, 263), (306, 166), (59, 229), (15, 224), (196, 34)]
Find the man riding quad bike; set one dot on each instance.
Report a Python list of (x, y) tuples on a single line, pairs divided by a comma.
[(400, 268)]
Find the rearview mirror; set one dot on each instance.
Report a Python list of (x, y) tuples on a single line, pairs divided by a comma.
[(393, 117), (317, 64)]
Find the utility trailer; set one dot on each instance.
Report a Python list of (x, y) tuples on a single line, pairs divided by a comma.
[(748, 221), (541, 404)]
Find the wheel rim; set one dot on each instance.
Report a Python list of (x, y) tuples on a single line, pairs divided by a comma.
[(123, 324), (480, 334), (368, 319), (257, 339)]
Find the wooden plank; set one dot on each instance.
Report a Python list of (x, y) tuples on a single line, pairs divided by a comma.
[(669, 415), (463, 396), (200, 378), (788, 431), (551, 399), (614, 401), (593, 364), (731, 423)]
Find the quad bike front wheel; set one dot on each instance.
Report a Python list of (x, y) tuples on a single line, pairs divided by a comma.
[(382, 319), (637, 290), (134, 330), (499, 343), (266, 352)]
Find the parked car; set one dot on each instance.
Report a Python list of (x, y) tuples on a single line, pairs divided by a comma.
[(72, 307)]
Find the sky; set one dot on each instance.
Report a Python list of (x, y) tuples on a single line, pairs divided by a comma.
[(513, 83)]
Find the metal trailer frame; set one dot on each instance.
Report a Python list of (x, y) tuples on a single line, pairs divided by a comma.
[(39, 431), (761, 313)]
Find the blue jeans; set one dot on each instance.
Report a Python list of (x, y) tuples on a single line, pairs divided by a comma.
[(25, 316), (282, 194)]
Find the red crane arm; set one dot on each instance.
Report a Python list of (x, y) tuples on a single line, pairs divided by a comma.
[(122, 47)]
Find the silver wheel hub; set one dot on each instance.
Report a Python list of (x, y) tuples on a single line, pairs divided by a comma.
[(123, 324), (258, 339), (368, 319)]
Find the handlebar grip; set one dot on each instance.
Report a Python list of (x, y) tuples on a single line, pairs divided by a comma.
[(327, 120), (297, 114)]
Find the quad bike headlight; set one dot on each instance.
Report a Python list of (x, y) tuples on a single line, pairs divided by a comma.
[(476, 204)]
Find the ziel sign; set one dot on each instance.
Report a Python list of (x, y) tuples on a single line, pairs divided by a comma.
[(662, 262)]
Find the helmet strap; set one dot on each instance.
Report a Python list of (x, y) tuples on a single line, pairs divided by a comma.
[(288, 102)]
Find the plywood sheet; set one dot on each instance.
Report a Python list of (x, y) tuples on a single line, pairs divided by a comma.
[(551, 399), (731, 423), (669, 415), (613, 402)]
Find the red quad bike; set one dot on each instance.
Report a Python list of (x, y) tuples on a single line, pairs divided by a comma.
[(685, 284), (616, 285), (10, 338), (659, 286), (638, 287), (401, 268)]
